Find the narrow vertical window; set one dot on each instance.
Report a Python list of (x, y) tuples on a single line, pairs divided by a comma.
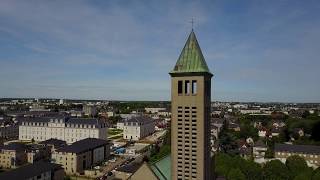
[(194, 87), (179, 87), (187, 87)]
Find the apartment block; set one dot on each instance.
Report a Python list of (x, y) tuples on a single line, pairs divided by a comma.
[(81, 155)]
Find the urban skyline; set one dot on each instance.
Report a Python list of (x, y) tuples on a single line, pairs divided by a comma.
[(258, 51)]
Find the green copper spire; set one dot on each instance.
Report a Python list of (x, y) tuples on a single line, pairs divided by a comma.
[(191, 58)]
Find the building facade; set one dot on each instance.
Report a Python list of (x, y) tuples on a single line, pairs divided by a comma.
[(8, 128), (89, 110), (66, 129), (153, 110), (310, 153), (190, 124), (82, 155), (138, 127), (13, 155)]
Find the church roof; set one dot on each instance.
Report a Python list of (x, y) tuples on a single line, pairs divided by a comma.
[(191, 58), (162, 168)]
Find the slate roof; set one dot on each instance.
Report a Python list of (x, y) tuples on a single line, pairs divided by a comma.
[(309, 149), (259, 143), (139, 119), (14, 147), (67, 120), (54, 142), (191, 58), (84, 145), (91, 121), (29, 171), (35, 119)]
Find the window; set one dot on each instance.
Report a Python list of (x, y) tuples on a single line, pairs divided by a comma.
[(187, 87), (194, 87), (179, 87)]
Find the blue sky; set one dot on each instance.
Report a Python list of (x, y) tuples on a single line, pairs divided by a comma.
[(257, 50)]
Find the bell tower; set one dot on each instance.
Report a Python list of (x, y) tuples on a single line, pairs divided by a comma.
[(190, 123)]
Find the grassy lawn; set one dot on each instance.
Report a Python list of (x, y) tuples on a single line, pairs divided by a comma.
[(112, 132), (116, 137)]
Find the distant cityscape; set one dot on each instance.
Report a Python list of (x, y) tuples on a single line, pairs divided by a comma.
[(40, 132), (265, 50)]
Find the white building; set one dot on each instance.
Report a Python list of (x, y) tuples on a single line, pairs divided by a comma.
[(154, 110), (120, 124), (164, 113), (259, 149), (61, 102), (110, 113), (89, 110), (66, 129), (250, 111), (138, 127)]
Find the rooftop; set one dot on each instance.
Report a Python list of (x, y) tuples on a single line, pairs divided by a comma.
[(67, 120), (55, 142), (191, 59), (84, 145), (311, 149), (162, 168), (140, 119), (15, 146), (129, 168), (29, 171)]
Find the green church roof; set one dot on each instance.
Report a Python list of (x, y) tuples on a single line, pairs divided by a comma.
[(162, 168), (191, 58)]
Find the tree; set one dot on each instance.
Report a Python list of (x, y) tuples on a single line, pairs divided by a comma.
[(316, 175), (296, 165), (251, 170), (223, 164), (304, 175), (235, 174), (114, 119), (276, 170), (305, 114)]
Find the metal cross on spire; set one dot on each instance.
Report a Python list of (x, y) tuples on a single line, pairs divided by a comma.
[(192, 22)]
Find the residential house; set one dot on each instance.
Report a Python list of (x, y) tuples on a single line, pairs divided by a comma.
[(263, 132), (259, 149), (310, 153), (275, 132)]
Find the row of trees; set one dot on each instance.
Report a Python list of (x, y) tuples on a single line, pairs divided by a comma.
[(237, 168), (127, 107)]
